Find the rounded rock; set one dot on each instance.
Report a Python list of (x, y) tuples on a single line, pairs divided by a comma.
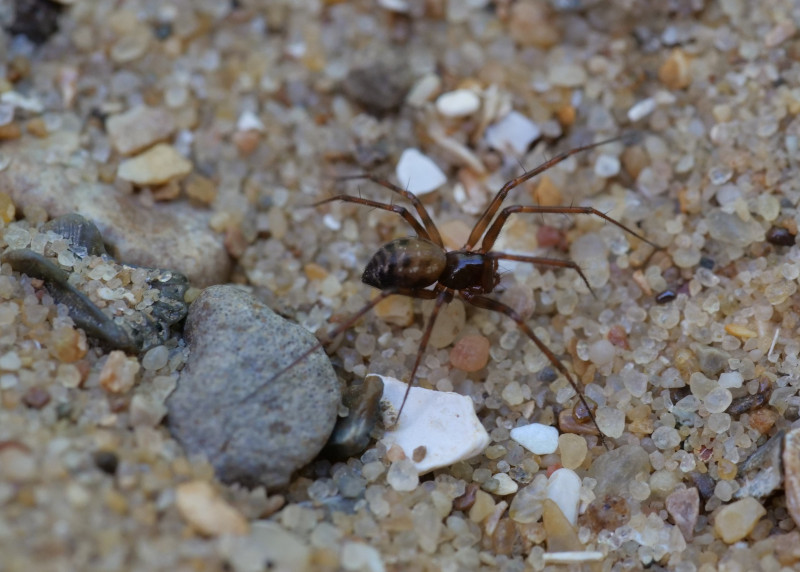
[(255, 428)]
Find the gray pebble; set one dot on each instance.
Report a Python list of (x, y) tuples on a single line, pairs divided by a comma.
[(380, 87), (255, 430), (712, 361), (616, 469)]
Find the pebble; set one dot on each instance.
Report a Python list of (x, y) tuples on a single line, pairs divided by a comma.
[(513, 134), (155, 358), (403, 476), (537, 438), (610, 421), (458, 103), (615, 469), (119, 372), (255, 430), (155, 166), (607, 166), (791, 475), (731, 379), (573, 450), (361, 557), (397, 310), (684, 507), (174, 235), (567, 75), (418, 173), (208, 513), (139, 128), (505, 485), (380, 87), (675, 72), (563, 488), (352, 434), (559, 531), (268, 542), (470, 353), (642, 109), (482, 507), (444, 423), (735, 521), (17, 464)]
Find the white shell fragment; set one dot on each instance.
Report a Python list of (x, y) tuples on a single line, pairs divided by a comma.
[(444, 423), (249, 121), (642, 109), (458, 103), (537, 438), (572, 557), (564, 488), (418, 173), (513, 133)]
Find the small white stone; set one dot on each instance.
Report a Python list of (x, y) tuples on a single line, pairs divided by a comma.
[(249, 121), (642, 109), (361, 557), (606, 166), (514, 133), (267, 542), (505, 485), (20, 101), (424, 90), (563, 488), (418, 173), (10, 361), (458, 103), (536, 438), (730, 379), (572, 557), (442, 422)]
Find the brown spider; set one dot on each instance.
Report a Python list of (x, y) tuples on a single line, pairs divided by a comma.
[(410, 266)]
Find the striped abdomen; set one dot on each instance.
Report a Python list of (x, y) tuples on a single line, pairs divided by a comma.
[(405, 263)]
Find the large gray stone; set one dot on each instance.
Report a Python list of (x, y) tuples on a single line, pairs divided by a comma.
[(254, 428)]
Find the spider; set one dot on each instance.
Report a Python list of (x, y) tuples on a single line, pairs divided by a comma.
[(421, 267)]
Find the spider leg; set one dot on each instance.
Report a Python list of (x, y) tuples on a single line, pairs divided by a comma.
[(491, 235), (494, 305), (491, 209), (402, 211), (542, 261), (445, 295), (433, 232)]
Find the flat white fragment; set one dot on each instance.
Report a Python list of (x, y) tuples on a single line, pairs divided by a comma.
[(458, 103), (730, 379), (642, 109), (536, 438), (506, 485), (572, 556), (249, 121), (513, 133), (418, 173), (563, 488), (362, 557), (444, 423)]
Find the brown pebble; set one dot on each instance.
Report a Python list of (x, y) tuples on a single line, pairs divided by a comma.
[(780, 236), (106, 461), (419, 453), (550, 237), (246, 141), (36, 397), (10, 131), (674, 73), (470, 353), (746, 403), (67, 344), (37, 127), (199, 188), (465, 501), (504, 536), (763, 419), (568, 424), (607, 514), (547, 193), (395, 453), (618, 336)]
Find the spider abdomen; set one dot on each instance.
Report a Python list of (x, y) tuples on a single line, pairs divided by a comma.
[(405, 263)]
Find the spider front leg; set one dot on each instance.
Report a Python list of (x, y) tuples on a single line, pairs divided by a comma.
[(427, 221), (491, 235), (402, 211)]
